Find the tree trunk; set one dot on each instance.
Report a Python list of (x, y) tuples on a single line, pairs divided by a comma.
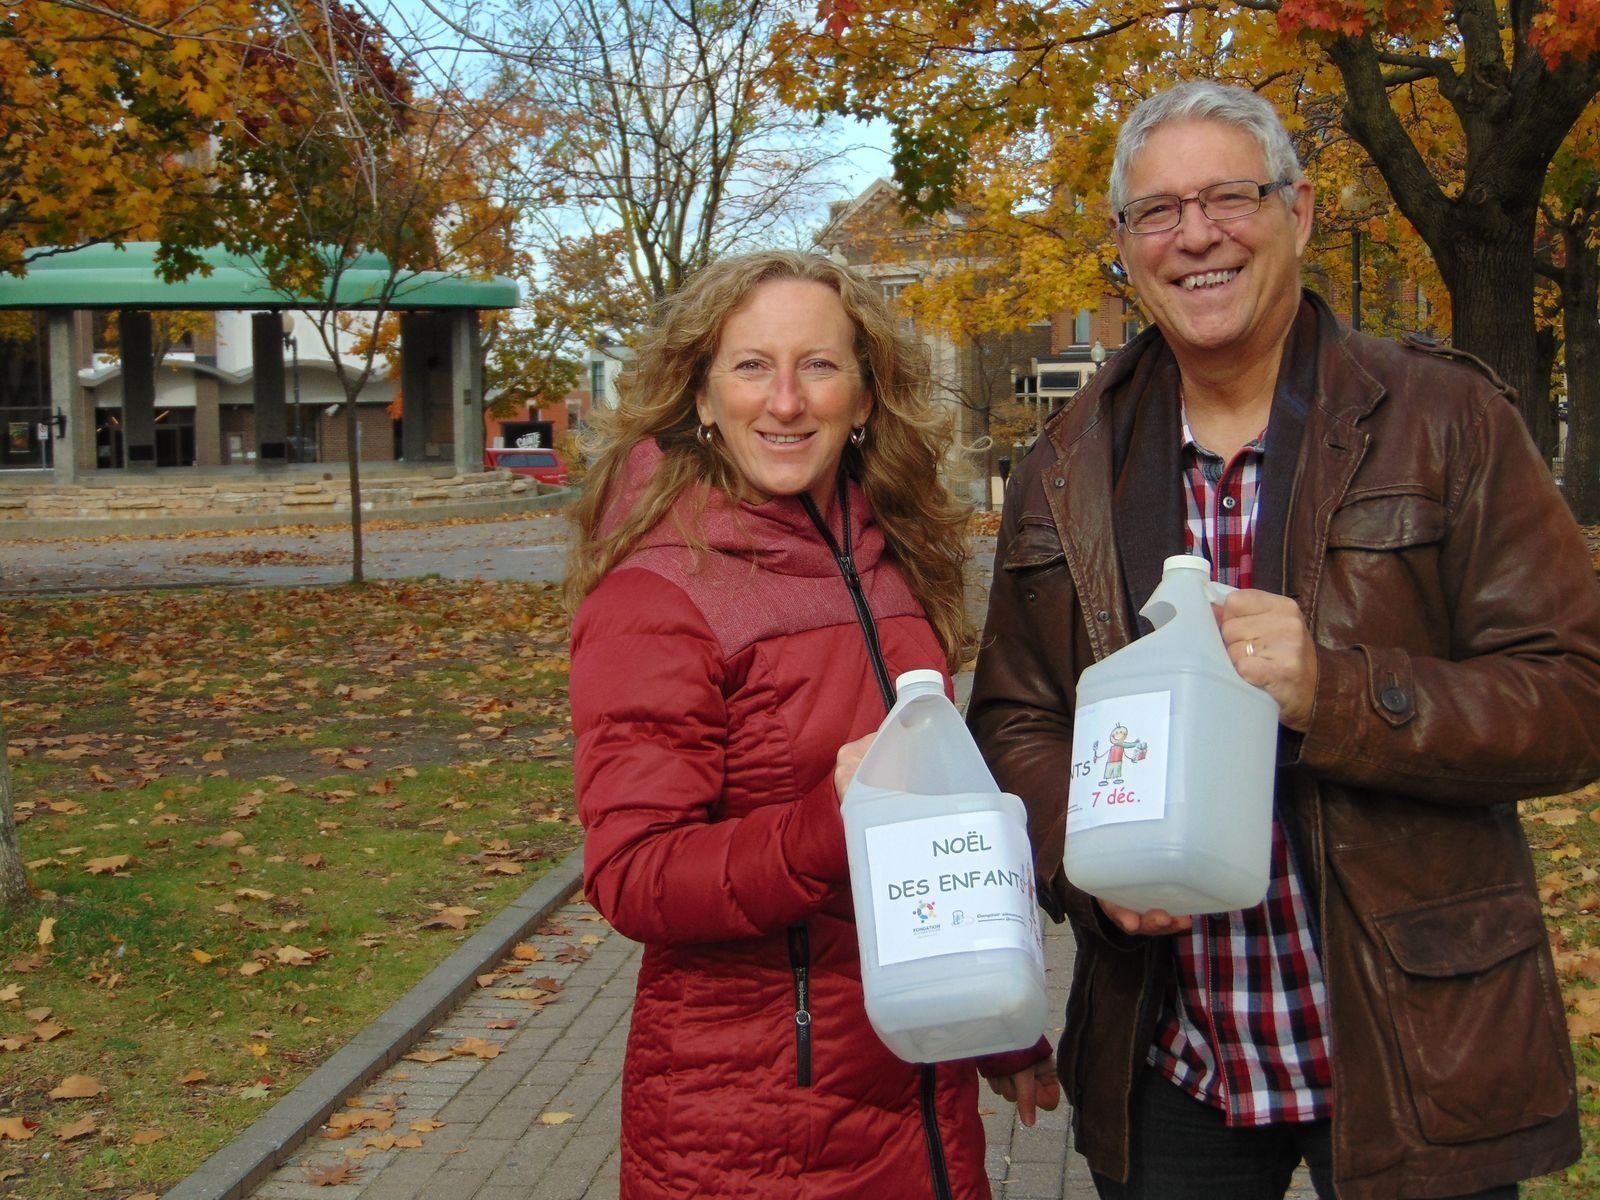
[(352, 429), (1491, 282), (14, 890), (1580, 320)]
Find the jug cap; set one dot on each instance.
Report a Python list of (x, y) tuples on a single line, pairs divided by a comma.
[(919, 680), (1192, 562)]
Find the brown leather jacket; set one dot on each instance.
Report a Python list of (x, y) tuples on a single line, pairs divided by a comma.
[(1457, 620)]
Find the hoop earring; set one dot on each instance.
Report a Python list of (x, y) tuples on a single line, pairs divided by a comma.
[(703, 434), (858, 435)]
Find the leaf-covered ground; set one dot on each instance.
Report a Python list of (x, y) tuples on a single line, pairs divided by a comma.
[(1565, 834), (254, 819)]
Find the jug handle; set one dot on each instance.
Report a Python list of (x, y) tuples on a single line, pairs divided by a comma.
[(1218, 592)]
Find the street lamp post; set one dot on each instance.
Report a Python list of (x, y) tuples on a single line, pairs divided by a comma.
[(1355, 278), (1355, 200), (293, 345)]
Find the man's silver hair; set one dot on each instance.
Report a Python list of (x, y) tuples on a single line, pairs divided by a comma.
[(1202, 100)]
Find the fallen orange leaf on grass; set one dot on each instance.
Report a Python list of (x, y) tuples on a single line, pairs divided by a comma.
[(107, 865), (76, 1087), (17, 1129), (147, 1137), (77, 1129)]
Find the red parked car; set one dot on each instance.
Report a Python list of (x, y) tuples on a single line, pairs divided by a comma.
[(535, 462)]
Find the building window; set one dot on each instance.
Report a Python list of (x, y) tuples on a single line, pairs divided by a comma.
[(1026, 387), (893, 289), (1130, 330), (1061, 381), (1080, 327)]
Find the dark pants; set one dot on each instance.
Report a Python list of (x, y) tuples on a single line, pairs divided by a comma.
[(1182, 1150)]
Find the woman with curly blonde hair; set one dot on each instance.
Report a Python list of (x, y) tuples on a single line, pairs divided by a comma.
[(908, 438), (763, 543)]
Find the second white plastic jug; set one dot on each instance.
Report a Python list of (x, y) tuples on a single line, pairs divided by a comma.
[(1173, 756), (941, 873)]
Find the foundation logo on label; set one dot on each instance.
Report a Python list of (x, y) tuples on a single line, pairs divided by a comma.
[(925, 911)]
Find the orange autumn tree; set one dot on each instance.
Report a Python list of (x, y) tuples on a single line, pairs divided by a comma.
[(106, 118), (1459, 108)]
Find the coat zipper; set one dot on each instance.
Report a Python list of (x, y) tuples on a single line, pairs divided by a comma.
[(843, 555), (930, 1126), (800, 961)]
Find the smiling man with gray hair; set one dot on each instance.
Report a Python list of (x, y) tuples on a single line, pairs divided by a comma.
[(1418, 601)]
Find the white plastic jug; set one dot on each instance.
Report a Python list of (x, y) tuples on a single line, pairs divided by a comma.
[(1170, 801), (941, 871)]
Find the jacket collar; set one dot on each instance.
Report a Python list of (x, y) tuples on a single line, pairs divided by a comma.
[(774, 535), (1124, 427)]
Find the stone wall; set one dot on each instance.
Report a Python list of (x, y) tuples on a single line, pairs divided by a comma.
[(290, 496)]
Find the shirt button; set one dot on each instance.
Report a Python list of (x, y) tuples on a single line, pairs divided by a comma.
[(1393, 699), (1059, 481), (1102, 616), (1228, 502)]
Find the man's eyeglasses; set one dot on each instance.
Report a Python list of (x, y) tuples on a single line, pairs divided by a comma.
[(1220, 202)]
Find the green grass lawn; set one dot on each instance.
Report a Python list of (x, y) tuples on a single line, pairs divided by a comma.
[(253, 821)]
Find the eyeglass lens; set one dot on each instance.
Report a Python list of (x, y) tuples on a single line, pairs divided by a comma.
[(1220, 202)]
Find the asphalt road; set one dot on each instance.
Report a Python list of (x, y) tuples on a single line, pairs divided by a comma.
[(527, 547)]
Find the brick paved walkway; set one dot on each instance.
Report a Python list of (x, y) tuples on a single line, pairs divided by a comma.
[(540, 1119)]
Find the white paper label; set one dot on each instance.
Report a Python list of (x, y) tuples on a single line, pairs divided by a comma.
[(943, 885), (1119, 761)]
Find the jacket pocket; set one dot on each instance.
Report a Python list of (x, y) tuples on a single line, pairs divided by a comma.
[(1386, 521), (1480, 1038), (1035, 545)]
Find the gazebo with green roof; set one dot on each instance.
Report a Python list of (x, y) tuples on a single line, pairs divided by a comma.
[(440, 353)]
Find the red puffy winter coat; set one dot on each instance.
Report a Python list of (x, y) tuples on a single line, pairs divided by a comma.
[(710, 692)]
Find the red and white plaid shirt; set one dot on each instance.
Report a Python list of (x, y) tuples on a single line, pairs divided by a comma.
[(1244, 1026)]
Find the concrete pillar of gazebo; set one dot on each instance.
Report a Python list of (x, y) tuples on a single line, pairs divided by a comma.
[(138, 389), (207, 423), (76, 444), (418, 354), (466, 390), (266, 351)]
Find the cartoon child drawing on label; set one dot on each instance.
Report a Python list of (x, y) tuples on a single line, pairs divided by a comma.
[(1121, 747)]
